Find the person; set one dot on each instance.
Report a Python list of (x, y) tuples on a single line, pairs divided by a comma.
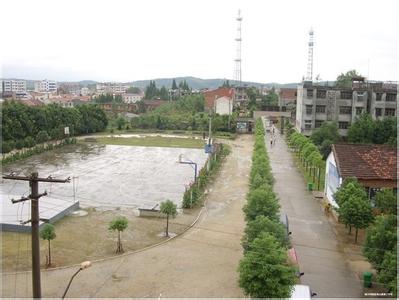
[(271, 141)]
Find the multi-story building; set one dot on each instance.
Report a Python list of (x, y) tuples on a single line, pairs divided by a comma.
[(317, 104), (132, 98), (287, 97), (111, 88), (16, 86), (46, 86)]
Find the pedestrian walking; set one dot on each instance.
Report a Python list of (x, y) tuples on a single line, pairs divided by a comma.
[(271, 142)]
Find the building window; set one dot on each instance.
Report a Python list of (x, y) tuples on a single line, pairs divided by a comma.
[(378, 96), (359, 110), (345, 110), (343, 125), (308, 124), (390, 112), (390, 97), (346, 94), (360, 96), (309, 109), (318, 123), (320, 109), (321, 94), (309, 92), (378, 112)]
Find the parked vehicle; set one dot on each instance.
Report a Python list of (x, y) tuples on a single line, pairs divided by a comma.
[(302, 291)]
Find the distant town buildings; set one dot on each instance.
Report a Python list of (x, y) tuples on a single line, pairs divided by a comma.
[(374, 166), (220, 100), (132, 98), (46, 86), (317, 104), (111, 88), (17, 86)]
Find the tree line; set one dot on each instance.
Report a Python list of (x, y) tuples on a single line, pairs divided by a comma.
[(264, 271), (186, 113), (26, 126), (364, 130), (356, 210)]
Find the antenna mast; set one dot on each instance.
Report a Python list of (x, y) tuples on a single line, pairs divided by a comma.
[(309, 75), (237, 69)]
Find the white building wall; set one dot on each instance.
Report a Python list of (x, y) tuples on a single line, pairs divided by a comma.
[(332, 179), (18, 86), (223, 106), (299, 108)]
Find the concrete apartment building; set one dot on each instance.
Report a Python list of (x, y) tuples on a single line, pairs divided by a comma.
[(132, 98), (111, 88), (17, 86), (46, 86), (317, 104)]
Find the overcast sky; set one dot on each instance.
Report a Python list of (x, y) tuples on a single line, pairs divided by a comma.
[(131, 40)]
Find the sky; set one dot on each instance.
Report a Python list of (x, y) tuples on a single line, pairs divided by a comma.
[(122, 40)]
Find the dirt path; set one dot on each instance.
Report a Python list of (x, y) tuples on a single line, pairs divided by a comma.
[(201, 263)]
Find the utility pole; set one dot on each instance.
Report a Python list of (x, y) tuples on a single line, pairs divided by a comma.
[(34, 197)]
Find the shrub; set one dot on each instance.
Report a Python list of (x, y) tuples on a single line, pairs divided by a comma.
[(42, 137)]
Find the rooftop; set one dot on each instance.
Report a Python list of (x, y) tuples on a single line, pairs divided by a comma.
[(367, 162)]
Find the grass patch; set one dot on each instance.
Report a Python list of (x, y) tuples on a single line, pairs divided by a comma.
[(217, 134), (153, 141)]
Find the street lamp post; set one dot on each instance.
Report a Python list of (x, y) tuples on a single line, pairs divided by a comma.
[(189, 162), (83, 265)]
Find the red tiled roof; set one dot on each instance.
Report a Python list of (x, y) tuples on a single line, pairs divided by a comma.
[(218, 93), (288, 94), (368, 162)]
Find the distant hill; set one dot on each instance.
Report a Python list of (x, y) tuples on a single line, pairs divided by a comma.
[(198, 83), (193, 82)]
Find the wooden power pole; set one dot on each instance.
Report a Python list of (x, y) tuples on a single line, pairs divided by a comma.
[(34, 197)]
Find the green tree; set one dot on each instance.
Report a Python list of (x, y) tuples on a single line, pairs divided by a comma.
[(120, 123), (226, 83), (385, 200), (264, 271), (260, 202), (327, 131), (356, 212), (174, 85), (48, 233), (388, 274), (133, 90), (380, 238), (119, 224), (169, 209), (261, 224), (350, 187), (362, 130), (345, 80)]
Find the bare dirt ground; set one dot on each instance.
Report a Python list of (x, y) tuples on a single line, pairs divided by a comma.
[(202, 262), (91, 236)]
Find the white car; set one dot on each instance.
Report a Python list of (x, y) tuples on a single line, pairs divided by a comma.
[(302, 291)]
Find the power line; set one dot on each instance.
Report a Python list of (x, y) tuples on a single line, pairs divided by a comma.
[(34, 197)]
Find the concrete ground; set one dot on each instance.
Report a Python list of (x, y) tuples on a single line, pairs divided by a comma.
[(320, 254), (201, 263)]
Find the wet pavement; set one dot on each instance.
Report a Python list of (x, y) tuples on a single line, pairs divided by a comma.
[(109, 176), (319, 253)]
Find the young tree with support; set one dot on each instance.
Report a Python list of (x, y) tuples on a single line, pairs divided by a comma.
[(119, 224), (356, 212), (48, 233), (169, 209)]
